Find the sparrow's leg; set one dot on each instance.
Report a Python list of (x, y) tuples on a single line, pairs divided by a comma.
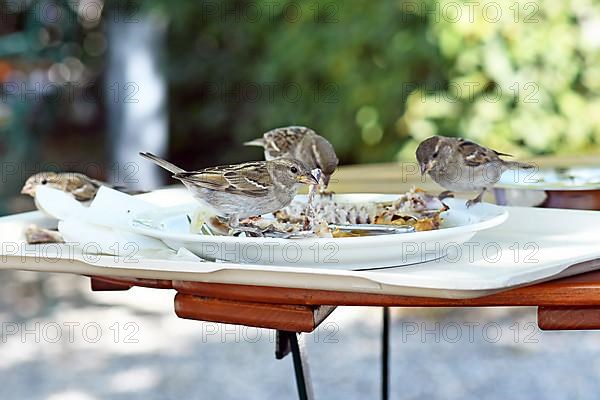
[(446, 194), (477, 199)]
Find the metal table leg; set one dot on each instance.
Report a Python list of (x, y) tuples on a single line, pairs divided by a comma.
[(293, 342), (385, 355)]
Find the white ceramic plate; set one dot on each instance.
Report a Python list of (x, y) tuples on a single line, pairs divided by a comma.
[(460, 224)]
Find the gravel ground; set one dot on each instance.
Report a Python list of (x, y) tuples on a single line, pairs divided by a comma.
[(62, 342)]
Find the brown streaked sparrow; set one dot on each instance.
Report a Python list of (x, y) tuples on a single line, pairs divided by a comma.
[(463, 166), (82, 187), (300, 143), (243, 190)]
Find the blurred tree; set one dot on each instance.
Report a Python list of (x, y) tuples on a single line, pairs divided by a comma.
[(373, 77), (49, 64), (377, 77), (520, 76), (241, 68)]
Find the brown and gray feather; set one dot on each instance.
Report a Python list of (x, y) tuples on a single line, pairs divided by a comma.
[(301, 143), (243, 190)]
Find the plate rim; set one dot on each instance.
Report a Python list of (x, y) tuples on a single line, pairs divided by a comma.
[(495, 220)]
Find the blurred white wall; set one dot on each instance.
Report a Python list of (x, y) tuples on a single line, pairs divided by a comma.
[(136, 96)]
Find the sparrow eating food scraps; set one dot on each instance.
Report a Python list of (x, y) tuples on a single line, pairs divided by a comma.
[(463, 166), (243, 190), (300, 143)]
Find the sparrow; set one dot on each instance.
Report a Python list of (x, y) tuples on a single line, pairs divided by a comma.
[(243, 190), (461, 165), (300, 143), (82, 187)]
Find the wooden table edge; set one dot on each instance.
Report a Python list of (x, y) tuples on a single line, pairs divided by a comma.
[(578, 290), (564, 304)]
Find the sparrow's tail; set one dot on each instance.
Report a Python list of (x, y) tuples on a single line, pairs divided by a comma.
[(517, 165), (162, 163), (256, 142)]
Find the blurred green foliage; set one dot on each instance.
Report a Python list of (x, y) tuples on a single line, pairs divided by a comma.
[(39, 41), (377, 77), (533, 70), (337, 67)]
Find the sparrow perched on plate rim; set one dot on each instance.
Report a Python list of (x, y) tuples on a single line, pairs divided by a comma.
[(243, 190), (300, 143), (463, 166)]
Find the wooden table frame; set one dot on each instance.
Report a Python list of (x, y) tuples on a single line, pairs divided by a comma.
[(565, 304)]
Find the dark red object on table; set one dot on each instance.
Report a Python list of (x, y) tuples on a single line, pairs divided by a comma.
[(573, 199)]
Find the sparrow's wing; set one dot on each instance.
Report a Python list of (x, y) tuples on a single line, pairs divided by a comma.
[(249, 179), (281, 142), (92, 185), (81, 186), (476, 155)]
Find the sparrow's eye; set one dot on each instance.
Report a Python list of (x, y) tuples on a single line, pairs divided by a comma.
[(435, 154), (44, 181), (294, 170)]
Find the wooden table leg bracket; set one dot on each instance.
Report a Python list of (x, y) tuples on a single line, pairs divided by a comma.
[(288, 320), (292, 318), (568, 318)]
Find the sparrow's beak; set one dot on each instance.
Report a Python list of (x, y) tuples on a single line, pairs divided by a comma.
[(256, 142), (426, 167), (28, 189), (308, 179)]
